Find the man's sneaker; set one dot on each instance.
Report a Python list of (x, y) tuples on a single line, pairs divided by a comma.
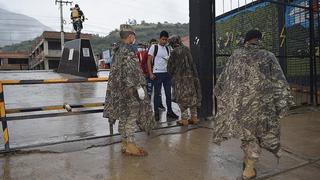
[(161, 107), (172, 115)]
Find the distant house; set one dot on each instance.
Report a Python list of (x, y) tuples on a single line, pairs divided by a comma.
[(14, 60), (46, 53)]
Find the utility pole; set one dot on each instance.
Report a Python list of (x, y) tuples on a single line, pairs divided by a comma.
[(61, 19)]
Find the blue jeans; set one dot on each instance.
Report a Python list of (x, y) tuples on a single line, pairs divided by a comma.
[(165, 80)]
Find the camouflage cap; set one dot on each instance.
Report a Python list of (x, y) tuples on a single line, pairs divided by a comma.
[(126, 27), (175, 40), (253, 34)]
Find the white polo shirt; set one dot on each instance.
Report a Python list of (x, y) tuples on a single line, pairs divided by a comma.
[(161, 60)]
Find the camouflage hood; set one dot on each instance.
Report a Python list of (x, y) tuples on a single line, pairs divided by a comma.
[(185, 81), (122, 97), (252, 95)]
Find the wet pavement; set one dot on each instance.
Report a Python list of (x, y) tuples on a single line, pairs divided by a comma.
[(56, 129), (35, 131), (177, 153), (174, 153)]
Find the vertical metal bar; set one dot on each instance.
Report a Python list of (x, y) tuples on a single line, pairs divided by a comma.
[(3, 119), (206, 59), (312, 54), (282, 38), (214, 39), (223, 6), (315, 60)]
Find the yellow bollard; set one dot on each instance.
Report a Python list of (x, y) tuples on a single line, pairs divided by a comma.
[(3, 119)]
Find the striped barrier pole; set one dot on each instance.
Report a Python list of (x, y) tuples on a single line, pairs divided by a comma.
[(3, 119), (53, 81), (42, 81), (55, 107)]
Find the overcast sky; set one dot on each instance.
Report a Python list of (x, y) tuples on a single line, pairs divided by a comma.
[(106, 15)]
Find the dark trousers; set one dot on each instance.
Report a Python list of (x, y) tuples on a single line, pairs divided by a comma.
[(77, 26), (165, 80), (150, 85)]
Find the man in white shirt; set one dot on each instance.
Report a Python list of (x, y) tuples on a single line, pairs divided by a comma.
[(157, 67)]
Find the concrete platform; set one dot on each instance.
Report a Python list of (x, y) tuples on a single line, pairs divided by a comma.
[(174, 153)]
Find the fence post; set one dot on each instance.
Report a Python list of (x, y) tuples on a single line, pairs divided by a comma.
[(311, 51), (3, 119)]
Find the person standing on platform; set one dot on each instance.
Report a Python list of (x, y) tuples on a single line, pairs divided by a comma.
[(77, 18)]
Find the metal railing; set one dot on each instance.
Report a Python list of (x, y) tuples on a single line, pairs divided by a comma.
[(4, 111), (4, 119)]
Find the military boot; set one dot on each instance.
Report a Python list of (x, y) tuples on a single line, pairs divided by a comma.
[(182, 122), (134, 150), (194, 120), (249, 171)]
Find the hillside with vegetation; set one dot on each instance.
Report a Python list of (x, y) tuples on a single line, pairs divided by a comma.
[(16, 28), (144, 31)]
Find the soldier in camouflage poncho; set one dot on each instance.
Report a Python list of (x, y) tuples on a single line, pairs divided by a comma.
[(252, 95), (125, 97), (186, 84)]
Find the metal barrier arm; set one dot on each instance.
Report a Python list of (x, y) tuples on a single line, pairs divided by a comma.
[(53, 81), (59, 114), (3, 117), (54, 107)]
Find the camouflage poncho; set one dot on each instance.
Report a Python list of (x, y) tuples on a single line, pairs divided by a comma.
[(185, 81), (121, 97), (252, 95)]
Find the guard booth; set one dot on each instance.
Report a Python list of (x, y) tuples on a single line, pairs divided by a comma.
[(78, 59)]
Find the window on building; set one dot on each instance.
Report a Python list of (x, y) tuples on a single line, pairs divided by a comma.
[(54, 45), (17, 61)]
